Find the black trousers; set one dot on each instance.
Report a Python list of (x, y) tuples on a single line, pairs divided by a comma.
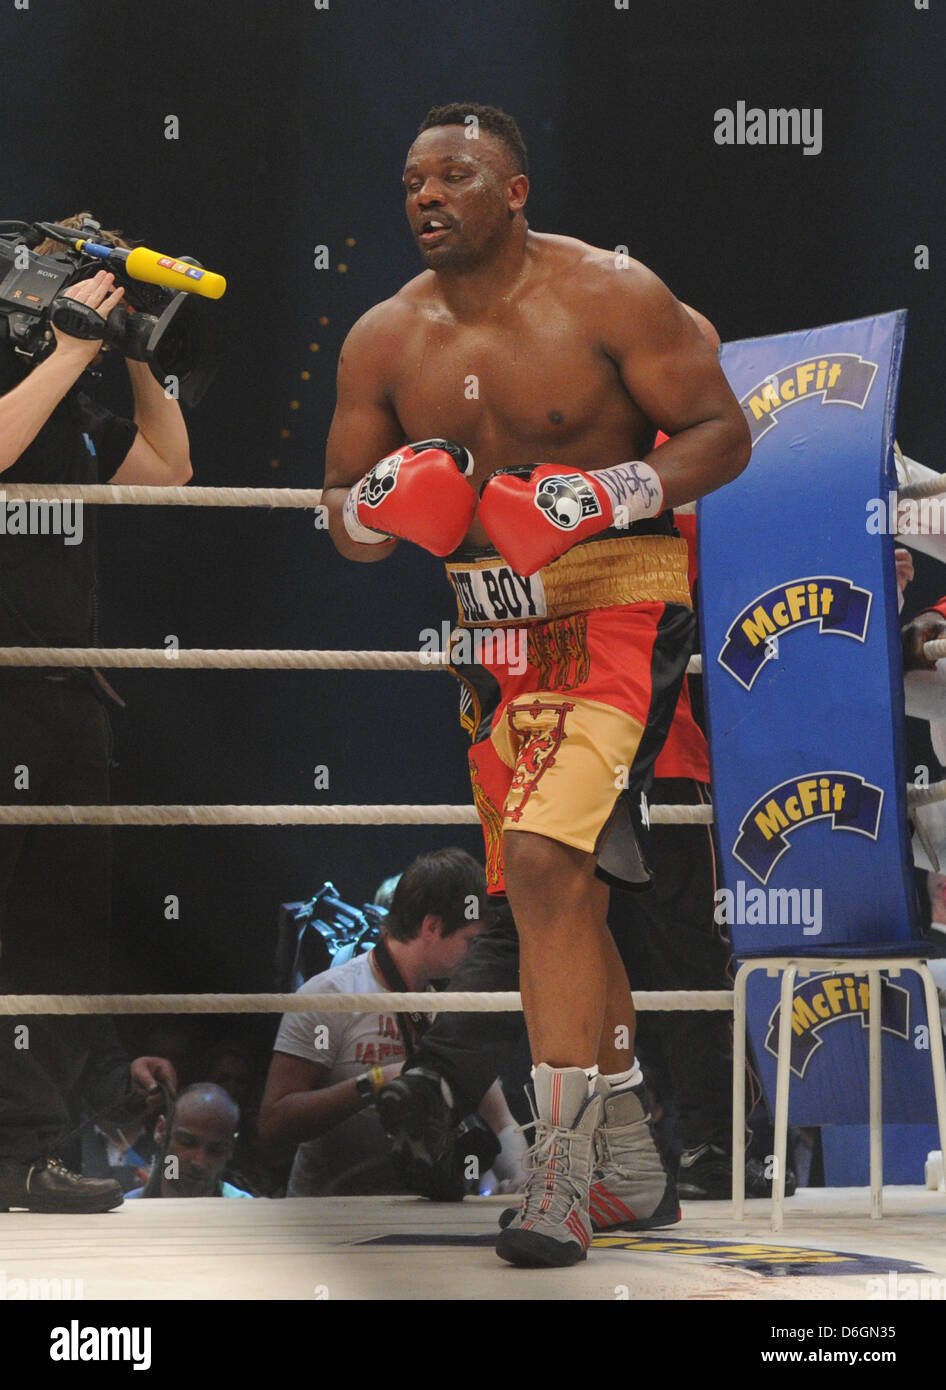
[(667, 939), (471, 1050), (55, 889)]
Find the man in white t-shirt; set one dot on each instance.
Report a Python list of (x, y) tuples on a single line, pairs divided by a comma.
[(327, 1067)]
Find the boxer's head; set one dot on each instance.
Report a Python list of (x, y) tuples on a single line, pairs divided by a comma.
[(466, 184)]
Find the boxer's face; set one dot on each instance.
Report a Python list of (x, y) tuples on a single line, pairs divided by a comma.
[(457, 196)]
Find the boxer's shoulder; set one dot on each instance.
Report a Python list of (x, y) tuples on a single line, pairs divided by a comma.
[(597, 283), (376, 340), (386, 324), (587, 266)]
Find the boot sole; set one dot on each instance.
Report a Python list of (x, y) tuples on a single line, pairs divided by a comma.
[(529, 1250)]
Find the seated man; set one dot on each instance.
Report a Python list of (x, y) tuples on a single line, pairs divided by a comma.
[(328, 1067), (194, 1146)]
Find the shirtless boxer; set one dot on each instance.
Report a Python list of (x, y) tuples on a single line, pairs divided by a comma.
[(577, 355)]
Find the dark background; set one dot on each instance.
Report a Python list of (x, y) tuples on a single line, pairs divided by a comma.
[(294, 123)]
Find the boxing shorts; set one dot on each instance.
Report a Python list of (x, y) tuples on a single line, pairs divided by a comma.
[(569, 680)]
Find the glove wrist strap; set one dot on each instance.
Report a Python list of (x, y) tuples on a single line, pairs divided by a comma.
[(362, 534), (635, 491)]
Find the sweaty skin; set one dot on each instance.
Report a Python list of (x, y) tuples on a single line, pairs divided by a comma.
[(525, 347), (529, 348)]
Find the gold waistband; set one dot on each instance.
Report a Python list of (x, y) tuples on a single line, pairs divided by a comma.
[(598, 574)]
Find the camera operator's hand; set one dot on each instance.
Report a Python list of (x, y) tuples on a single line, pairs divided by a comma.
[(99, 293)]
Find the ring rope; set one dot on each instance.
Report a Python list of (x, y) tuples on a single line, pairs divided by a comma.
[(141, 495), (430, 1002), (934, 651), (929, 487), (235, 659), (222, 659), (238, 815), (171, 815), (918, 795)]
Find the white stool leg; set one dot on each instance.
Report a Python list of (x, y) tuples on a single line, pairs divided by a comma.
[(936, 1048), (740, 987), (875, 1074), (782, 1083)]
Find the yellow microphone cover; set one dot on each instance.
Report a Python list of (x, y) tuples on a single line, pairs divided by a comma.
[(156, 269)]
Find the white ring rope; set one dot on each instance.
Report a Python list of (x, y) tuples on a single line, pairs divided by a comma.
[(918, 795), (139, 495), (934, 651), (238, 815), (235, 659), (430, 1002), (928, 487), (221, 658), (292, 815), (172, 815), (176, 815)]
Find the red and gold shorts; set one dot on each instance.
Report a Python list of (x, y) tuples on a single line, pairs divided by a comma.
[(569, 681)]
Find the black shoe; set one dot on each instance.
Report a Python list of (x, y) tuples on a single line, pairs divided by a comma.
[(48, 1186), (423, 1134), (706, 1176)]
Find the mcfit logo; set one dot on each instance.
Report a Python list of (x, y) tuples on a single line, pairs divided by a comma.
[(850, 802), (837, 605), (825, 999), (844, 378)]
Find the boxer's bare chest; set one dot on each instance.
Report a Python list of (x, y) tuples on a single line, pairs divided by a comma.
[(530, 383)]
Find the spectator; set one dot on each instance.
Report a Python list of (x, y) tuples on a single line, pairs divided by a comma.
[(195, 1144), (327, 1067)]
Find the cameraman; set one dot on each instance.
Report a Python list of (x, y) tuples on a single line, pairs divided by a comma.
[(55, 742)]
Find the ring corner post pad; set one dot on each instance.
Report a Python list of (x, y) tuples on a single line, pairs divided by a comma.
[(804, 699)]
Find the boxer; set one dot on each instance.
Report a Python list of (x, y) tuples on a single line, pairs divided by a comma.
[(532, 370)]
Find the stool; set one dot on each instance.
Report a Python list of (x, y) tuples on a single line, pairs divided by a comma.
[(790, 967)]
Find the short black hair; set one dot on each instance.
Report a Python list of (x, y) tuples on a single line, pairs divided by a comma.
[(489, 118), (446, 882)]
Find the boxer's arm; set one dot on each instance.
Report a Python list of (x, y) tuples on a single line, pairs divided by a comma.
[(671, 372), (364, 428)]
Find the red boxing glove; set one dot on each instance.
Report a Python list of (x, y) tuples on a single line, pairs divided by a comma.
[(420, 494), (533, 515)]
